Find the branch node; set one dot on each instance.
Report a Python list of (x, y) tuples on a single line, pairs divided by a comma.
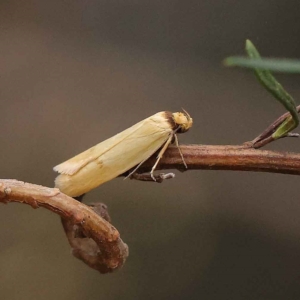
[(159, 178)]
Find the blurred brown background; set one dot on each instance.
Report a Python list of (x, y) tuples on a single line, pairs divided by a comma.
[(74, 73)]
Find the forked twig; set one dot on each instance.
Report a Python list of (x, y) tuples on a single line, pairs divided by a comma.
[(266, 136)]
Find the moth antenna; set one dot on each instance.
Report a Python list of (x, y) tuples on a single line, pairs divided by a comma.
[(186, 113)]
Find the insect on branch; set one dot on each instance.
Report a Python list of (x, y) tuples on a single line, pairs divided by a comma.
[(96, 242)]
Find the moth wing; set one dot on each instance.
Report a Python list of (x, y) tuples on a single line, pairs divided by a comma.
[(115, 156), (135, 148), (154, 125), (74, 164)]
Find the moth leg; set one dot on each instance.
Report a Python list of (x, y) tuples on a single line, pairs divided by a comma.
[(135, 169), (160, 154), (177, 145)]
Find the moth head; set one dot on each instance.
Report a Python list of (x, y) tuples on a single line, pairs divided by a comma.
[(183, 121)]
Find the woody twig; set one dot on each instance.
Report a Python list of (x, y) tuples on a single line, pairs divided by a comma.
[(93, 239)]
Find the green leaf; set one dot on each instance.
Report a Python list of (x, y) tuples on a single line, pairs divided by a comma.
[(287, 126), (275, 88), (271, 64)]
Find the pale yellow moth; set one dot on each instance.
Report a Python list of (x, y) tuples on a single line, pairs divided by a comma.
[(121, 152)]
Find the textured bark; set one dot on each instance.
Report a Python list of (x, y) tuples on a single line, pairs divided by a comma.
[(93, 239)]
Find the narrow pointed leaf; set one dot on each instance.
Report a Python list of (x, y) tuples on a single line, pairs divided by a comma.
[(271, 64), (275, 88)]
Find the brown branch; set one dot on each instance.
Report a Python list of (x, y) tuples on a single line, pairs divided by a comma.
[(242, 158), (99, 244)]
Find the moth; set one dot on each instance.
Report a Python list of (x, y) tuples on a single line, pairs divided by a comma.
[(121, 153)]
